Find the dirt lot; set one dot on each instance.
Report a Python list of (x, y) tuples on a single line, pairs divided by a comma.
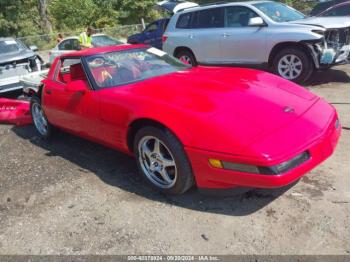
[(71, 196)]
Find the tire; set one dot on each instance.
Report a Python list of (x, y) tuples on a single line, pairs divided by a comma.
[(187, 57), (38, 120), (302, 65), (152, 164)]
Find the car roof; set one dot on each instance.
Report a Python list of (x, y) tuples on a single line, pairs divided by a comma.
[(104, 49), (334, 7), (219, 4), (324, 6), (77, 37)]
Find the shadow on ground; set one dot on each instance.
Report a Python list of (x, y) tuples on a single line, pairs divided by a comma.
[(329, 76), (120, 170)]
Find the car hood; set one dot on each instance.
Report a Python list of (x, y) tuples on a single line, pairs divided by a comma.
[(325, 22), (237, 105), (16, 56)]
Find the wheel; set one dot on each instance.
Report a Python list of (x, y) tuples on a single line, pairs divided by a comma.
[(293, 64), (162, 160), (40, 121), (187, 57)]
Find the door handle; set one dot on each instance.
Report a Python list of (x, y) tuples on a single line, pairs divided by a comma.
[(191, 36), (48, 91), (226, 35)]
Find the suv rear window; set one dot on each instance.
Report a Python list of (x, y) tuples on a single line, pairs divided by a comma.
[(208, 18)]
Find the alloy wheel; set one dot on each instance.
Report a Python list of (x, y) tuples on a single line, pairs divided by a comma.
[(290, 67), (39, 119), (185, 59), (157, 162)]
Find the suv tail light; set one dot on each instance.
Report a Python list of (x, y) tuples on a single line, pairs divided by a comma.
[(164, 38)]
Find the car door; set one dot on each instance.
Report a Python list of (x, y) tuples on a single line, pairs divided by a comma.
[(241, 43), (74, 111), (207, 27), (150, 33)]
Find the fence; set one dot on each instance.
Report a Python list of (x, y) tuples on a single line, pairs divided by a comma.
[(46, 42)]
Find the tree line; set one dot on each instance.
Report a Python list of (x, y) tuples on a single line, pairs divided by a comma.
[(33, 17)]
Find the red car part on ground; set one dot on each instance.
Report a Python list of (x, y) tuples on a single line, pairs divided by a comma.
[(233, 126), (15, 112)]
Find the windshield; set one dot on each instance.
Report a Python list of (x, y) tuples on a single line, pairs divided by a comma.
[(129, 66), (9, 46), (279, 12), (104, 40)]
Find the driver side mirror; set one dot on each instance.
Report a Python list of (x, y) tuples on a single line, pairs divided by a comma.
[(77, 86), (34, 48), (256, 21)]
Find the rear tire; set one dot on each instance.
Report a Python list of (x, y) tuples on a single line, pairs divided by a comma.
[(41, 123), (293, 64), (162, 161), (187, 57)]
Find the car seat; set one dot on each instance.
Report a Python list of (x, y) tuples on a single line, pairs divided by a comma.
[(244, 19), (77, 72)]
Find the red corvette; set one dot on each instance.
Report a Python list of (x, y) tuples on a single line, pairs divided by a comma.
[(213, 127)]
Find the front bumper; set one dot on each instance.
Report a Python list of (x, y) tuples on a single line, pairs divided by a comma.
[(208, 177), (323, 59)]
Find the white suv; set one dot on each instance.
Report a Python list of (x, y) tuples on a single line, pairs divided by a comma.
[(258, 32)]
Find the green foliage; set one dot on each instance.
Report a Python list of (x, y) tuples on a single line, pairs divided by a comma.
[(19, 17), (69, 14), (72, 14)]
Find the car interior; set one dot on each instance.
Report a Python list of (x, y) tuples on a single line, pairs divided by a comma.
[(71, 73)]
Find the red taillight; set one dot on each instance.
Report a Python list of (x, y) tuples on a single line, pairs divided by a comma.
[(164, 38)]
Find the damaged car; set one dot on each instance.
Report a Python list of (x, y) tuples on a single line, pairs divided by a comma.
[(16, 60), (259, 33)]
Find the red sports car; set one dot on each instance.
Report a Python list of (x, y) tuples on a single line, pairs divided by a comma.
[(213, 127)]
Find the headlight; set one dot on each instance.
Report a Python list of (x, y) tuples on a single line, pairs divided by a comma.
[(272, 170)]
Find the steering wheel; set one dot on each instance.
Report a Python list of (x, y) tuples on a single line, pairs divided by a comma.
[(97, 61), (155, 66)]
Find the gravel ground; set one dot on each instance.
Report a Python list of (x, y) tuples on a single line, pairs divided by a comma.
[(71, 196)]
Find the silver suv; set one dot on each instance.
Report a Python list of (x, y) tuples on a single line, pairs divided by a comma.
[(258, 32)]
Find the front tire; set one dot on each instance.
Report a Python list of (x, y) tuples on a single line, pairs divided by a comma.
[(42, 125), (293, 64), (162, 160)]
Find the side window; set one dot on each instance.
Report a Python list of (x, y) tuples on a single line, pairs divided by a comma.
[(75, 44), (66, 45), (151, 27), (184, 21), (63, 73), (238, 16), (339, 11), (208, 18)]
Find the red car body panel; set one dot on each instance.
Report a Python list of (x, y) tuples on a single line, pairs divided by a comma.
[(15, 112), (232, 114)]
